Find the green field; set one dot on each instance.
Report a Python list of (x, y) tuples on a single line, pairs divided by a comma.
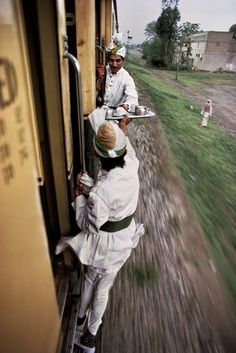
[(206, 159), (198, 81)]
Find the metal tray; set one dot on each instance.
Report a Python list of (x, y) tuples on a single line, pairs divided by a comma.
[(150, 114)]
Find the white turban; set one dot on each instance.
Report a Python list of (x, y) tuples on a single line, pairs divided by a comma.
[(116, 46)]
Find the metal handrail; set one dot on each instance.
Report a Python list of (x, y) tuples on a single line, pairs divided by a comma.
[(76, 65)]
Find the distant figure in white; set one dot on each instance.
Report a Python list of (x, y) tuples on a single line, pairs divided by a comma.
[(206, 112)]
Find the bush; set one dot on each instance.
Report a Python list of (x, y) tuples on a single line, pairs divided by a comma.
[(157, 62)]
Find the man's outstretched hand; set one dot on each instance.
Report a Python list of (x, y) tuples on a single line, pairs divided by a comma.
[(123, 124)]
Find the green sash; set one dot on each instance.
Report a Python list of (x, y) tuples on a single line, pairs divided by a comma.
[(115, 226)]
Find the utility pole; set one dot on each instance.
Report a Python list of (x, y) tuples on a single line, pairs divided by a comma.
[(128, 41)]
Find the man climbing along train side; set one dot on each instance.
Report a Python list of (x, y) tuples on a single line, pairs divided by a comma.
[(105, 216)]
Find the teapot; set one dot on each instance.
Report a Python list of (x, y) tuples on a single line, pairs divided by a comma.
[(109, 113), (141, 110)]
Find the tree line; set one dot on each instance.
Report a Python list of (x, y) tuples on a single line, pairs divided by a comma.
[(166, 40)]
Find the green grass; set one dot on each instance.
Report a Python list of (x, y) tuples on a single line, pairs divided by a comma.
[(189, 77), (206, 159), (197, 81), (142, 276)]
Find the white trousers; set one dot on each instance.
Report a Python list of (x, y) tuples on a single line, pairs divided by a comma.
[(94, 295), (205, 119)]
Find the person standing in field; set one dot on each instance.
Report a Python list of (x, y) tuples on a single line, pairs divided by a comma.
[(206, 112)]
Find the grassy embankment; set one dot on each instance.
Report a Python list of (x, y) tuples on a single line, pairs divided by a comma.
[(206, 159)]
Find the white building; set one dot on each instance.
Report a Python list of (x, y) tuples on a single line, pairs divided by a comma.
[(212, 51)]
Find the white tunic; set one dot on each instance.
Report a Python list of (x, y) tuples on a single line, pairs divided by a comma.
[(120, 89), (206, 112), (113, 198)]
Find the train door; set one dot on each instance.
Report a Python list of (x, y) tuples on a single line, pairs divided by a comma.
[(53, 143), (45, 23), (59, 113)]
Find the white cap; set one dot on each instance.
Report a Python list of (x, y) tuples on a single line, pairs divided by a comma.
[(110, 141)]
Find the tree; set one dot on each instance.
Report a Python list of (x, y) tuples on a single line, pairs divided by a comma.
[(152, 47), (150, 30), (233, 30), (153, 52), (184, 35), (167, 27), (169, 3), (184, 38), (164, 36)]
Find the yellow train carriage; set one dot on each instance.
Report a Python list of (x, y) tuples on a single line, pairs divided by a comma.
[(45, 98)]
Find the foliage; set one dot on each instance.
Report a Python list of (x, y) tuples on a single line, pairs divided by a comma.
[(153, 52), (184, 39), (167, 30), (167, 23), (164, 35), (233, 30), (169, 3), (184, 35), (150, 30)]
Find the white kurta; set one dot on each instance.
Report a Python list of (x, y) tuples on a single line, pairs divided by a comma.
[(206, 114), (113, 198), (120, 89)]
